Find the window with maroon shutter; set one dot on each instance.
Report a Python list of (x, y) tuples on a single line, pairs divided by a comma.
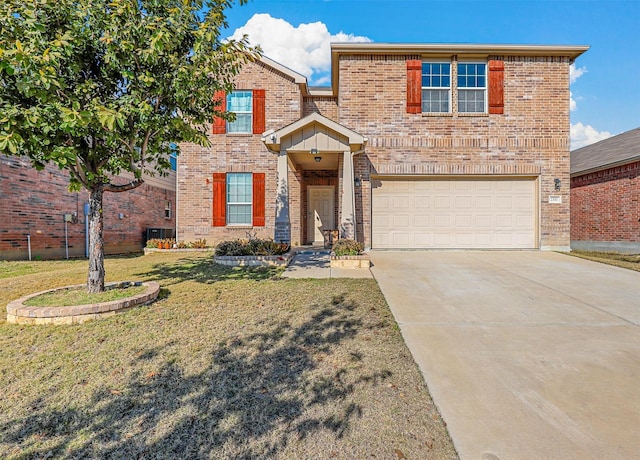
[(258, 200), (414, 86), (472, 87), (233, 204), (496, 87), (220, 124), (219, 199), (258, 111)]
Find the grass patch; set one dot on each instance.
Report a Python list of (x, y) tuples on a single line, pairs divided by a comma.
[(629, 261), (228, 363), (80, 296)]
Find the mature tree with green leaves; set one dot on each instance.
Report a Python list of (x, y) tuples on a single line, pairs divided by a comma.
[(100, 87)]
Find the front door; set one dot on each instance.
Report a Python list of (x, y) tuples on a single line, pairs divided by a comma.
[(321, 212)]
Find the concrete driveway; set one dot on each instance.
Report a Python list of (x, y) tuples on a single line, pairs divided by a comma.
[(528, 355)]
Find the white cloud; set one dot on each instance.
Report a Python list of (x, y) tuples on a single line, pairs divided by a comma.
[(582, 135), (304, 49), (576, 72)]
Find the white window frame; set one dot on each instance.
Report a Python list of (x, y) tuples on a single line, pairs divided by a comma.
[(167, 209), (484, 88), (448, 88), (232, 125), (229, 203)]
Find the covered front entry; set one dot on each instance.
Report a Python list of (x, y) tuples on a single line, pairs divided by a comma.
[(447, 213), (320, 212), (315, 184)]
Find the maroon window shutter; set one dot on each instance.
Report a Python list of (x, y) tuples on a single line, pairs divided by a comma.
[(219, 199), (220, 124), (258, 200), (496, 87), (414, 86), (258, 111)]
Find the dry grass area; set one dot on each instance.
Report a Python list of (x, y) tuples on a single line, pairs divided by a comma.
[(228, 363), (630, 261)]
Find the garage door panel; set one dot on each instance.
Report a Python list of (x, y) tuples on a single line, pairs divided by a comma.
[(442, 202), (483, 202), (454, 214)]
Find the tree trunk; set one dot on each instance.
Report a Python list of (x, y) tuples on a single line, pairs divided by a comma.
[(95, 282)]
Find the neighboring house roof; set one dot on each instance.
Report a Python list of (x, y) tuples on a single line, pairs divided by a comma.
[(614, 151)]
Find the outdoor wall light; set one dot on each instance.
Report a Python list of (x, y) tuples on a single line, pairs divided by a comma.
[(557, 184), (314, 152), (356, 181), (317, 159)]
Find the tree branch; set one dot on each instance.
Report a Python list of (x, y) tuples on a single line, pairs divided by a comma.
[(124, 187)]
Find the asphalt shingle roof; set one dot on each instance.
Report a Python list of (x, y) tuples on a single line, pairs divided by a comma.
[(617, 150)]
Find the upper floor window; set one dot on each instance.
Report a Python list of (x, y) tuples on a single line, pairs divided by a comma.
[(477, 87), (241, 104), (239, 198), (436, 87), (472, 87)]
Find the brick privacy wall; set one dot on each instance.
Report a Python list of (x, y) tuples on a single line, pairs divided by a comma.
[(605, 205), (34, 202), (237, 153), (533, 131)]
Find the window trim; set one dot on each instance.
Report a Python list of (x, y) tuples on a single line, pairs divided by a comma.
[(448, 88), (229, 203), (167, 209), (485, 88), (249, 112)]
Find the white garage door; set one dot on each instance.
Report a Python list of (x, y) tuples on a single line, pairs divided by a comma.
[(458, 213)]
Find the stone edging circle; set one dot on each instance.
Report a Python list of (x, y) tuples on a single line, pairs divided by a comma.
[(18, 313)]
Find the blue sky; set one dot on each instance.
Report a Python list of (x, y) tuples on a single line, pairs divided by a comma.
[(606, 79)]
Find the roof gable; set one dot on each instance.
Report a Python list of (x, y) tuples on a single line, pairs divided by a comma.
[(314, 131)]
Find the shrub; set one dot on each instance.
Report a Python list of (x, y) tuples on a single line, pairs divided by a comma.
[(251, 247), (153, 243), (199, 244), (347, 247)]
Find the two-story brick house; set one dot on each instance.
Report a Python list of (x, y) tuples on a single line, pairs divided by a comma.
[(412, 146)]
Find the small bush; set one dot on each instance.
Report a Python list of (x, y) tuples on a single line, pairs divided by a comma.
[(251, 247), (347, 247), (166, 243), (199, 244)]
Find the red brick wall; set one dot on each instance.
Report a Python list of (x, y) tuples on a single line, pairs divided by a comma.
[(34, 202), (324, 105), (605, 205), (236, 153), (531, 137)]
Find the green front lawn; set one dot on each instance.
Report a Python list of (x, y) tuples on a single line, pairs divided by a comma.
[(228, 363)]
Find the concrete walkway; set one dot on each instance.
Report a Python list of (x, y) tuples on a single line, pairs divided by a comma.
[(528, 355), (315, 263)]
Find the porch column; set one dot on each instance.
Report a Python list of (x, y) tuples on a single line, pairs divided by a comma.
[(283, 224), (348, 204)]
